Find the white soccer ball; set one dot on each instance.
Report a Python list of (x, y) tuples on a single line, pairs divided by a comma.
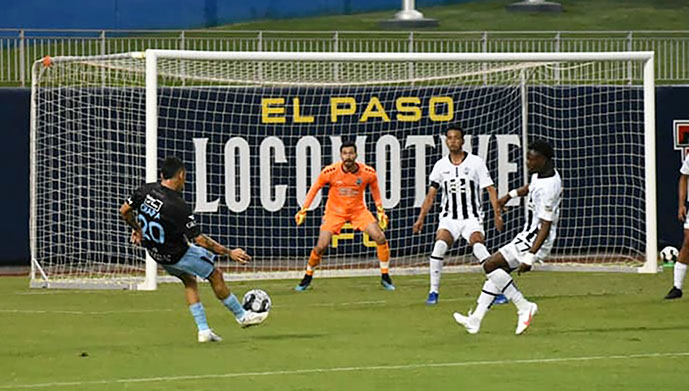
[(256, 300), (669, 254)]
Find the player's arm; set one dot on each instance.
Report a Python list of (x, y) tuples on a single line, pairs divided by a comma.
[(315, 188), (682, 193), (425, 207), (375, 192), (497, 214), (514, 193), (542, 235), (129, 216), (211, 245)]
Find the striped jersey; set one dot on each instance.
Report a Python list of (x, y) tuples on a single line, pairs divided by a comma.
[(543, 203), (461, 186)]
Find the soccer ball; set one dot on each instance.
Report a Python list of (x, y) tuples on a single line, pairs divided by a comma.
[(256, 300), (669, 254)]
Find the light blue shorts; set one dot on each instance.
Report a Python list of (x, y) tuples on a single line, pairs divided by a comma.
[(197, 261)]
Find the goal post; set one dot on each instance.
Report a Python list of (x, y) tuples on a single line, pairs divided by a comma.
[(255, 128)]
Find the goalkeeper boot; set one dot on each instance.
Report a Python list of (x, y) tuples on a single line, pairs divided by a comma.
[(432, 298), (500, 299), (304, 283), (525, 318), (673, 294), (471, 323), (386, 282), (208, 336), (252, 318)]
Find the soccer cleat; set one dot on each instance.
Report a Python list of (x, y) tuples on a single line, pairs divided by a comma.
[(432, 298), (470, 323), (304, 283), (500, 299), (386, 282), (673, 294), (525, 318), (208, 336), (252, 318)]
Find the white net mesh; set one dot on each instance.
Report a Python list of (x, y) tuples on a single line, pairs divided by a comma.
[(255, 134)]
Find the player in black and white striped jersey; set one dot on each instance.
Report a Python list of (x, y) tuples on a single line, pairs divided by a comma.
[(461, 178), (534, 243)]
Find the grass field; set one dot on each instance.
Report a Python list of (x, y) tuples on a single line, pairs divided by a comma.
[(595, 332), (490, 15)]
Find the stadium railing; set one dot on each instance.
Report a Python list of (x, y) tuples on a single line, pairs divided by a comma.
[(20, 47)]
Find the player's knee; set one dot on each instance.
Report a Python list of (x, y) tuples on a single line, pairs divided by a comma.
[(319, 249), (489, 266), (475, 238), (379, 239)]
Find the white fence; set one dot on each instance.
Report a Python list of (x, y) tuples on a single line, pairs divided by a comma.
[(19, 48)]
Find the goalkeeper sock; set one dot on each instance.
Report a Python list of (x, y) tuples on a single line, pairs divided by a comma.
[(480, 252), (384, 257), (680, 273), (485, 299), (199, 315), (436, 264), (234, 306), (314, 261)]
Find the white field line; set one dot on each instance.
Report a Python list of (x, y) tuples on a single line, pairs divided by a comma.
[(343, 369)]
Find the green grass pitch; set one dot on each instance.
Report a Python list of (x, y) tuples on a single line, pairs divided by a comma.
[(595, 331)]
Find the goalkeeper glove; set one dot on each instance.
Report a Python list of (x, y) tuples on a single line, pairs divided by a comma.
[(300, 216), (382, 218)]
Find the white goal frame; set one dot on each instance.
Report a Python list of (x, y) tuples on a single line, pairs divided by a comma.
[(152, 56)]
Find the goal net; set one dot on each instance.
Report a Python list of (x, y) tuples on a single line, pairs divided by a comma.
[(255, 129)]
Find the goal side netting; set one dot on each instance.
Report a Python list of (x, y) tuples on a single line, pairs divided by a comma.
[(255, 129)]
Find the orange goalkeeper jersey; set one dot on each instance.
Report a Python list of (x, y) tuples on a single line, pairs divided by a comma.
[(346, 194)]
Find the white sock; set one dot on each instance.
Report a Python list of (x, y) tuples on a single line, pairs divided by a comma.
[(480, 252), (485, 299), (436, 264), (680, 273), (503, 282), (499, 278), (516, 297)]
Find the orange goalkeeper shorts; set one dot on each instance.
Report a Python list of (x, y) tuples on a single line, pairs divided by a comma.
[(333, 222)]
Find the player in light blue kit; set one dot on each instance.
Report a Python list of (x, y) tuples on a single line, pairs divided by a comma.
[(163, 224)]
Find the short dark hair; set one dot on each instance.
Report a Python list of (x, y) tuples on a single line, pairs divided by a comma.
[(348, 144), (455, 126), (543, 147), (171, 166)]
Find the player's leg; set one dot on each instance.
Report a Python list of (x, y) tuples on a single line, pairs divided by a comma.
[(191, 293), (680, 270), (497, 269), (444, 239), (244, 317), (324, 238), (383, 251), (478, 246), (472, 322), (185, 271)]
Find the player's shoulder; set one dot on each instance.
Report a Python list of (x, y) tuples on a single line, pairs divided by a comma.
[(441, 163), (367, 169), (331, 168), (147, 187), (475, 160)]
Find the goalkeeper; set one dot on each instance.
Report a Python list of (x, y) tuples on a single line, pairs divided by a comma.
[(348, 181)]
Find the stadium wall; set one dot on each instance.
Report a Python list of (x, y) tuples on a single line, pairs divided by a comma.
[(136, 14), (14, 110)]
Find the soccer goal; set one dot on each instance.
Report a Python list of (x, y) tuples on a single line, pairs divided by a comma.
[(256, 128)]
